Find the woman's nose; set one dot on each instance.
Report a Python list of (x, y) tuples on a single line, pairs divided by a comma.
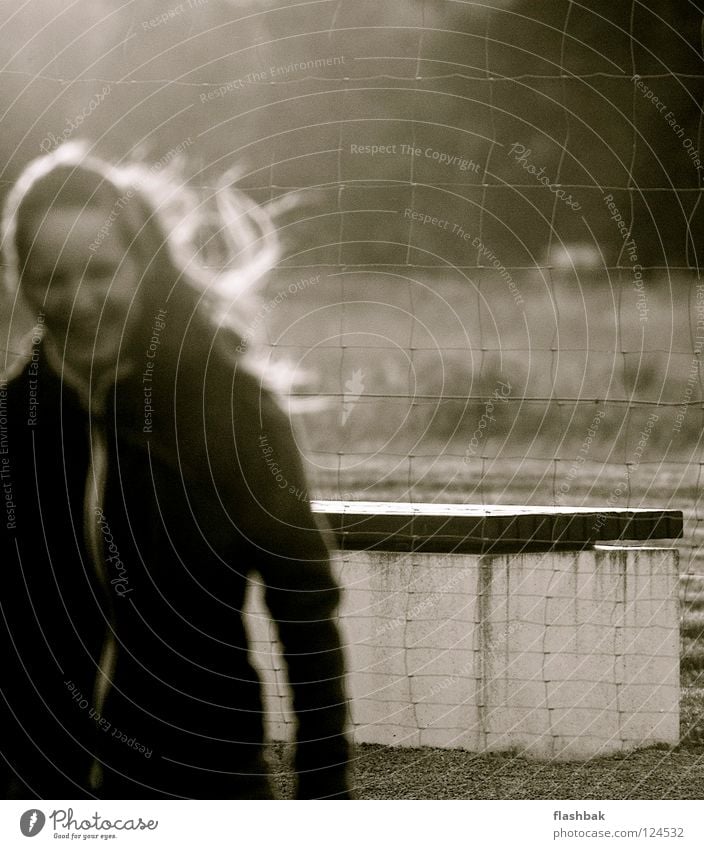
[(73, 299)]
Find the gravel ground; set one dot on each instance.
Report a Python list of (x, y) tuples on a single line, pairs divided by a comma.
[(393, 772), (383, 772)]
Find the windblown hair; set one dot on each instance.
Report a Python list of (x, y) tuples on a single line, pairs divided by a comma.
[(157, 218)]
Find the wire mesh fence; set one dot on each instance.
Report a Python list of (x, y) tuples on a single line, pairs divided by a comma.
[(490, 288)]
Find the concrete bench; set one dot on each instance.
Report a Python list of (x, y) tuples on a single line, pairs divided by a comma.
[(527, 629)]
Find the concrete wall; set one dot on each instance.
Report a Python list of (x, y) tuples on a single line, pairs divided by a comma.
[(552, 655)]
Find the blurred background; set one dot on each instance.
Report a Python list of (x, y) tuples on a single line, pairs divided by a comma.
[(489, 289)]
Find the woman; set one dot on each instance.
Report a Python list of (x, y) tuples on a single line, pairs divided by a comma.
[(141, 502)]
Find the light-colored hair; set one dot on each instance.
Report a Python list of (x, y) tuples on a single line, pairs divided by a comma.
[(159, 220)]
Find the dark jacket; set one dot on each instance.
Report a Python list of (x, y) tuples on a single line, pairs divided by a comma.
[(201, 492)]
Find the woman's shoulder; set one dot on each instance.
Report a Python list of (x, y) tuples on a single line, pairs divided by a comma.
[(252, 412), (221, 408)]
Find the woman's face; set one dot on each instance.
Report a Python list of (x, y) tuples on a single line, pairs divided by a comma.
[(84, 282)]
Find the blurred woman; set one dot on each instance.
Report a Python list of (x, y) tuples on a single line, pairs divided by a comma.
[(137, 446)]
